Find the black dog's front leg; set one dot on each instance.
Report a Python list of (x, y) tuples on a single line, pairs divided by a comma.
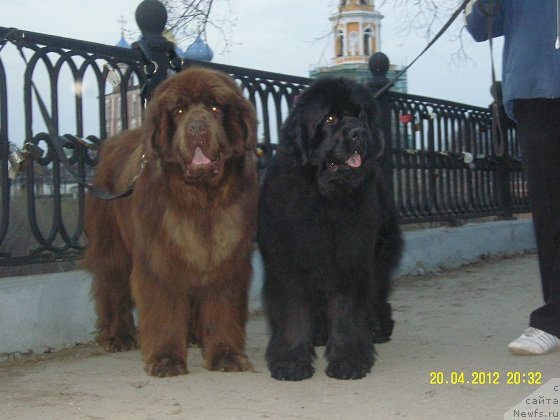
[(290, 353), (349, 352)]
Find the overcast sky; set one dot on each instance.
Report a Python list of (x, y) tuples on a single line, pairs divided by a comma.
[(285, 36)]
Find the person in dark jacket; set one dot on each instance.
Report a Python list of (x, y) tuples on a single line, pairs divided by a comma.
[(531, 94)]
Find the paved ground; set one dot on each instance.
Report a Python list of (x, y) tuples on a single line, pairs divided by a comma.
[(457, 321)]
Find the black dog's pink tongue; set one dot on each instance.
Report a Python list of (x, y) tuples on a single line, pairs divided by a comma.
[(354, 161), (199, 157)]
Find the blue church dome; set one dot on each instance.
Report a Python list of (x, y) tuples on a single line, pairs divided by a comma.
[(122, 42), (199, 50)]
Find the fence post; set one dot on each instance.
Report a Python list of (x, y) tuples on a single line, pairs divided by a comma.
[(503, 173), (379, 66), (151, 18)]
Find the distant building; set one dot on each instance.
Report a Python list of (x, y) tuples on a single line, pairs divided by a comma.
[(357, 35), (198, 50), (113, 101)]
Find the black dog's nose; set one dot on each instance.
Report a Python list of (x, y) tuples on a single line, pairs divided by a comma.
[(355, 133)]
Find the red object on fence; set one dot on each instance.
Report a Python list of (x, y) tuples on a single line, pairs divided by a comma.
[(406, 118)]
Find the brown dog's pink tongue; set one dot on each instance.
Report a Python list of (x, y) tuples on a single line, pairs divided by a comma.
[(199, 157), (354, 161)]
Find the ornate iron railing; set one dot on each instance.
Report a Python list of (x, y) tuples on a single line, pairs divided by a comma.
[(440, 154), (41, 219), (445, 163)]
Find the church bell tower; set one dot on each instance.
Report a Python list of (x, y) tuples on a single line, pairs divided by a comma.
[(357, 30), (356, 36)]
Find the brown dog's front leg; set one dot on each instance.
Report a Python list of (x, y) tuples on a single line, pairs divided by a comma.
[(164, 322), (223, 315)]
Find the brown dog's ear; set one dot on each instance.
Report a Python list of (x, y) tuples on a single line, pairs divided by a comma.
[(157, 130)]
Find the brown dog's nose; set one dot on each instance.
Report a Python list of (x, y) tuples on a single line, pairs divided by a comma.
[(197, 128)]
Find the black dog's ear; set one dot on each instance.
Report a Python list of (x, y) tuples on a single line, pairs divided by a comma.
[(379, 143), (294, 140), (370, 117)]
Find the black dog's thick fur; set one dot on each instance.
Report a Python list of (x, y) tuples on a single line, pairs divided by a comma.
[(329, 236)]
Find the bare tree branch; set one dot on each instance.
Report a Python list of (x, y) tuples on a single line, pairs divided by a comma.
[(425, 18), (188, 19)]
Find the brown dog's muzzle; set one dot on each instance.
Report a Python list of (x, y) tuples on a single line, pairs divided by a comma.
[(197, 132), (202, 157)]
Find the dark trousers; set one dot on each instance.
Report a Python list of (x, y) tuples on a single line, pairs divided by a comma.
[(538, 131)]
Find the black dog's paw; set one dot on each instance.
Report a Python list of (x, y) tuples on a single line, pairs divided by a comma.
[(382, 334), (347, 369), (380, 339), (384, 324), (291, 370)]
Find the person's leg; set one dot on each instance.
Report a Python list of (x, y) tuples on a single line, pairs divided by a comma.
[(538, 131)]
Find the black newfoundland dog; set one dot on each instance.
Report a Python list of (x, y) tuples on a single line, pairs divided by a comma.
[(329, 236)]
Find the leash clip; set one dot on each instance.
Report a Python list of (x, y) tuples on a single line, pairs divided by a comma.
[(143, 161)]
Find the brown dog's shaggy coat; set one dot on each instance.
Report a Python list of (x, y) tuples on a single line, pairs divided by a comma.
[(179, 248)]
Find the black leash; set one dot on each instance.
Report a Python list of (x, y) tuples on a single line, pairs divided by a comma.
[(432, 42), (390, 83), (498, 137)]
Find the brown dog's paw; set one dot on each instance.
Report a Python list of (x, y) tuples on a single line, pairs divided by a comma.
[(167, 367), (118, 343), (230, 363)]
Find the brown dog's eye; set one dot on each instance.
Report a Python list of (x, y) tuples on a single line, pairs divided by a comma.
[(331, 119), (215, 109), (178, 111)]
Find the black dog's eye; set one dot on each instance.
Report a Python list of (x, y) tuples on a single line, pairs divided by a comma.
[(331, 119)]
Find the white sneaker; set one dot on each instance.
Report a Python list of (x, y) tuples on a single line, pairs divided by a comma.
[(534, 341)]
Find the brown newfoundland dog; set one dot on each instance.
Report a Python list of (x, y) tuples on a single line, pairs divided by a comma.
[(179, 248)]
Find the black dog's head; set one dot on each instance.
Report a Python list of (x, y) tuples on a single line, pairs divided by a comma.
[(333, 131)]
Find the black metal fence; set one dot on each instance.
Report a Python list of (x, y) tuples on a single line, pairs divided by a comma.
[(445, 165), (439, 154)]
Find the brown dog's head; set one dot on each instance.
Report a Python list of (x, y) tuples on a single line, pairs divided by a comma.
[(196, 122)]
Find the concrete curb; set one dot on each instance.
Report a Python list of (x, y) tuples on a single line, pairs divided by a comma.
[(41, 312), (434, 249)]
